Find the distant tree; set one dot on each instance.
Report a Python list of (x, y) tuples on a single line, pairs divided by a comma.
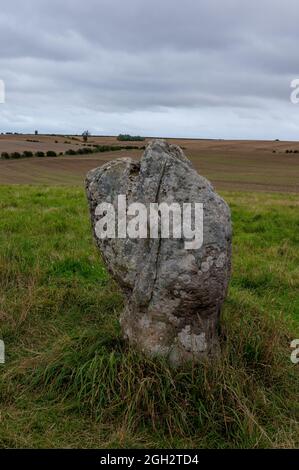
[(27, 154), (15, 155), (36, 132), (85, 135), (5, 155), (130, 138)]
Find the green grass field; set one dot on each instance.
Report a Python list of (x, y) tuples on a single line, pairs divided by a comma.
[(69, 379)]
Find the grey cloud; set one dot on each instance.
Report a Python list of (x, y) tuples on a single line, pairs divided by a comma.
[(110, 60)]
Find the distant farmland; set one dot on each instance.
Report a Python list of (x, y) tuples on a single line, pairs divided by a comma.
[(230, 165)]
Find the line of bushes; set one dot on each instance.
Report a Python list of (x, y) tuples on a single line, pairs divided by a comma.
[(101, 148), (27, 154), (112, 148), (129, 138), (81, 151)]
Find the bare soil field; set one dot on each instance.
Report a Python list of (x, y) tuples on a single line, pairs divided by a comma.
[(230, 165)]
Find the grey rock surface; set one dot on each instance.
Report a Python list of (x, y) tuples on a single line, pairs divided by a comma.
[(173, 295)]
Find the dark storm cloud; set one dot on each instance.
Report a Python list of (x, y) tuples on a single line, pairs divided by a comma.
[(223, 62)]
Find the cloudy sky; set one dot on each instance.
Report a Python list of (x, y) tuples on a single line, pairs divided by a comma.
[(192, 68)]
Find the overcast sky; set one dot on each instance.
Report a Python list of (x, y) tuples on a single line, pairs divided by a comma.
[(192, 68)]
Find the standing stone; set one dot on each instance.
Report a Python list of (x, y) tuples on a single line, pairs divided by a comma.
[(173, 294)]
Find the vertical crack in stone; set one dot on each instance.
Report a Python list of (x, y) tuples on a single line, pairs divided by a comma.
[(157, 200)]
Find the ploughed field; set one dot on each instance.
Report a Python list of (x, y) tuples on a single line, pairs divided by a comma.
[(230, 165)]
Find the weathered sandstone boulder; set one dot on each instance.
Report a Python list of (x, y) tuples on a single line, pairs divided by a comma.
[(174, 289)]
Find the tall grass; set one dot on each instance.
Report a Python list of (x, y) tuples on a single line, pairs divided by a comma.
[(70, 380)]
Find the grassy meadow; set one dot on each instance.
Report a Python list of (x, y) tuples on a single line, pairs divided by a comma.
[(69, 379)]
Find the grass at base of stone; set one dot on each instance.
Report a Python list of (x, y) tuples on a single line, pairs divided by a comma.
[(69, 379)]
